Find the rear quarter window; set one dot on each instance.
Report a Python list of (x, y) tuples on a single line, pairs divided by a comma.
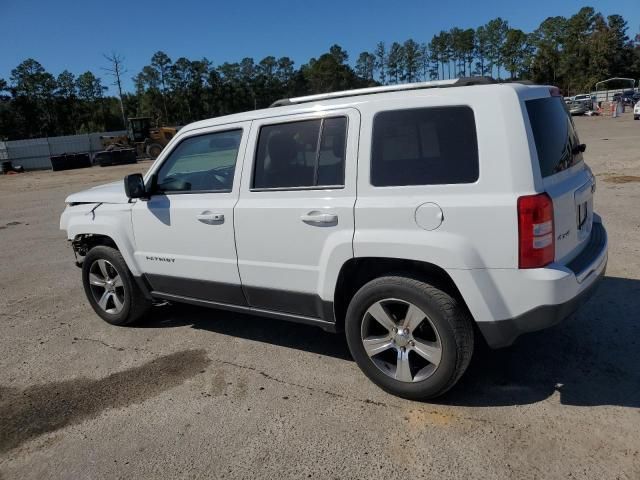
[(424, 146), (554, 134)]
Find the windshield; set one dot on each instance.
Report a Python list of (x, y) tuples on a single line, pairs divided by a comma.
[(554, 133)]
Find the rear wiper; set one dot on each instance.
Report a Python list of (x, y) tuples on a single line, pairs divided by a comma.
[(580, 148)]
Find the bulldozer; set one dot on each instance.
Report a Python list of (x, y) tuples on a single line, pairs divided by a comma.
[(147, 141)]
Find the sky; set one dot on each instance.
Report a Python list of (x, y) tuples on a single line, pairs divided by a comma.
[(74, 35)]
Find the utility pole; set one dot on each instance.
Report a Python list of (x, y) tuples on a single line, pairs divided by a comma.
[(116, 71)]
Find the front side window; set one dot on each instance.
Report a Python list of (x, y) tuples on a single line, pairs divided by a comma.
[(201, 163), (308, 153), (424, 146)]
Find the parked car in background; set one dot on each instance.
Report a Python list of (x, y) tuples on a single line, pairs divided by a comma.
[(584, 98), (636, 111), (578, 108), (627, 97)]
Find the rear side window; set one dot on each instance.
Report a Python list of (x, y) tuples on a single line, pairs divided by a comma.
[(554, 133), (424, 146), (309, 153)]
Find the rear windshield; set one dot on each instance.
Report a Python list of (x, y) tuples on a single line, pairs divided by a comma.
[(554, 133)]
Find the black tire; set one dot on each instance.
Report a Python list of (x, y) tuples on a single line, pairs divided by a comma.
[(134, 304), (445, 316), (636, 117), (153, 150)]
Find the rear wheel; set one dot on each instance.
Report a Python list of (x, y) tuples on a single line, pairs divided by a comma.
[(410, 338), (110, 287)]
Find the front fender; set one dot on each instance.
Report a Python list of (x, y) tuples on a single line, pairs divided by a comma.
[(110, 220)]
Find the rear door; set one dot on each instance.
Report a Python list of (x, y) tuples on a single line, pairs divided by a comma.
[(294, 220), (565, 177)]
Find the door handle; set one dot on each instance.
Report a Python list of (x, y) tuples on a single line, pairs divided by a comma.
[(318, 218), (210, 218)]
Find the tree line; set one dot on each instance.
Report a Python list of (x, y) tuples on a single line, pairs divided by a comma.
[(573, 53)]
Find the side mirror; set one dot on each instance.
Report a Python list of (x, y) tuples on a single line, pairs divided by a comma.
[(134, 186)]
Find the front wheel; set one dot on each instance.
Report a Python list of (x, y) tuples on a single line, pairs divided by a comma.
[(110, 287), (153, 150), (410, 338)]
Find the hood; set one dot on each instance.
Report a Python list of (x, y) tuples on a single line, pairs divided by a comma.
[(109, 193)]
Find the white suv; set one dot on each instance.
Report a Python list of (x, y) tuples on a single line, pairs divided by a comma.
[(404, 215)]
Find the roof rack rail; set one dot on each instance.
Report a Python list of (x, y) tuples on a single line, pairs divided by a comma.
[(456, 82), (522, 82)]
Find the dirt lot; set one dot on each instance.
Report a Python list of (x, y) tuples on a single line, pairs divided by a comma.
[(196, 393)]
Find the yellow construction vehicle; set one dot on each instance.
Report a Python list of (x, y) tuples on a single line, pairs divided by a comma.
[(148, 141)]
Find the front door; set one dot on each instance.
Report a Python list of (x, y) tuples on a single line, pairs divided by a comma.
[(294, 219), (184, 233)]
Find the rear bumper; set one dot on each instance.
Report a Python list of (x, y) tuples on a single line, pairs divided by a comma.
[(521, 301), (503, 333)]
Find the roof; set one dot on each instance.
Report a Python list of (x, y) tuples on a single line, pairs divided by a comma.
[(309, 103)]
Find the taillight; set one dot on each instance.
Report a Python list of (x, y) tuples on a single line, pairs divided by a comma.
[(535, 231), (555, 92)]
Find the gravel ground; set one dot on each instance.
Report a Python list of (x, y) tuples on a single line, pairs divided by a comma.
[(196, 393)]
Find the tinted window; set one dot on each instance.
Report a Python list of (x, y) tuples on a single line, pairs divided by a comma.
[(332, 152), (424, 146), (202, 163), (308, 153), (554, 134)]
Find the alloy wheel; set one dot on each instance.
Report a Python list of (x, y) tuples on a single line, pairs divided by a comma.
[(106, 286), (401, 340)]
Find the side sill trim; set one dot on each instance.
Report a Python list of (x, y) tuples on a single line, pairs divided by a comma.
[(290, 317)]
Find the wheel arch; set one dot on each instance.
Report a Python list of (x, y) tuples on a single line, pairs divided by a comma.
[(84, 241), (356, 272)]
